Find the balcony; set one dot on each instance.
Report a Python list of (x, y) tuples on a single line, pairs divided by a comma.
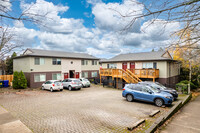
[(146, 73)]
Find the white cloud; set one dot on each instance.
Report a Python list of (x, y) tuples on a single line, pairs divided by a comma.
[(111, 16), (5, 5), (104, 40)]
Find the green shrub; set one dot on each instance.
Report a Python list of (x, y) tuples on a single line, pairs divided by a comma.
[(192, 85), (15, 80), (23, 81), (19, 80)]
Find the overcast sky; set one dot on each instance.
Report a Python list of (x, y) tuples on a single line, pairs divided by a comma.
[(90, 26)]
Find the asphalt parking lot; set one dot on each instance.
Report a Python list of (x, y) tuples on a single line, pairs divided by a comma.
[(94, 109)]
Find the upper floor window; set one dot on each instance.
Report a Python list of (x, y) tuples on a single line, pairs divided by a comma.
[(39, 61), (84, 62), (94, 62), (147, 65), (56, 61)]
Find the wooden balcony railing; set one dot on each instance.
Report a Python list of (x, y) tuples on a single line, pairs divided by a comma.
[(119, 73), (146, 73)]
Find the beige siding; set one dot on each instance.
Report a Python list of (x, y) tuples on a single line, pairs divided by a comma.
[(48, 66), (119, 65), (21, 64), (104, 65), (166, 55), (90, 66), (174, 69), (138, 65), (162, 66), (27, 52)]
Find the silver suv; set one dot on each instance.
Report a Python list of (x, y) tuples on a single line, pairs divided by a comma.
[(72, 83)]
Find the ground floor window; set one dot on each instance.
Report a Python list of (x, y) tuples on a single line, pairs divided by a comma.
[(94, 74), (39, 77), (56, 76), (84, 74)]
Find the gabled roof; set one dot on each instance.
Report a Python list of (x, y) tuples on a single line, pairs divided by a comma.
[(144, 56), (59, 54)]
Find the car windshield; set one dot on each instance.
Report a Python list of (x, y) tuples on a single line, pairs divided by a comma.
[(76, 81), (154, 89), (161, 85), (85, 79)]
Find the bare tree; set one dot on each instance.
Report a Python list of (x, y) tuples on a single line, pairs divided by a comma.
[(187, 12)]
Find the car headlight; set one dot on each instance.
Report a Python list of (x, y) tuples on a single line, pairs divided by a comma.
[(167, 97)]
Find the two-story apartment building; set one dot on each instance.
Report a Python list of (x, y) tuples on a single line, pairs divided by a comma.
[(41, 65), (156, 66)]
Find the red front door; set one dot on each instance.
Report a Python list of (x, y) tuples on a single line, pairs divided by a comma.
[(132, 65), (124, 65), (66, 75), (77, 75)]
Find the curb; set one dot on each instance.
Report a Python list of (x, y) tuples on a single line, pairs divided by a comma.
[(168, 114), (135, 125)]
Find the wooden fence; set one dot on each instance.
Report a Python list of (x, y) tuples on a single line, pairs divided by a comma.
[(7, 77)]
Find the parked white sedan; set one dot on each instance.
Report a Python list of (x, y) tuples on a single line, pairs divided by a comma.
[(85, 82), (52, 85)]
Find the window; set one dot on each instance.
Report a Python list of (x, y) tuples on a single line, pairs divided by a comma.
[(84, 62), (84, 74), (147, 65), (39, 61), (155, 65), (56, 76), (56, 61), (113, 65), (94, 74), (94, 62), (39, 77)]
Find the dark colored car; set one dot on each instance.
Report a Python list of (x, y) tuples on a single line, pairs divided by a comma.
[(161, 87), (146, 93)]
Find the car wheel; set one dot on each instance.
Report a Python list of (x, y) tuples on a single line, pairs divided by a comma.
[(129, 98), (43, 88), (89, 86), (159, 102), (61, 90), (70, 88), (51, 89)]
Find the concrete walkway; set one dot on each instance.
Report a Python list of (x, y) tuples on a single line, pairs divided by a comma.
[(9, 124), (187, 121)]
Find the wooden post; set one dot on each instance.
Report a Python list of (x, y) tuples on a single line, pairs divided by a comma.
[(153, 79), (100, 75)]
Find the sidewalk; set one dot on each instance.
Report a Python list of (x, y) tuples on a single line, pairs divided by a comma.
[(9, 124), (187, 121)]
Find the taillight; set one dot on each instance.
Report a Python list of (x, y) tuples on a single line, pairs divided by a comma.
[(123, 89), (73, 82), (61, 84), (53, 84)]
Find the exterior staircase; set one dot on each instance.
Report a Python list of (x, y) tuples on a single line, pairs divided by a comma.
[(127, 75)]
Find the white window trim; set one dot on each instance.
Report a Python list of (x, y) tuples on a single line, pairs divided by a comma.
[(39, 75)]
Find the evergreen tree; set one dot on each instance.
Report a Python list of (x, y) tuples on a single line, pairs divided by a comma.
[(19, 80), (9, 64), (22, 81), (15, 80)]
